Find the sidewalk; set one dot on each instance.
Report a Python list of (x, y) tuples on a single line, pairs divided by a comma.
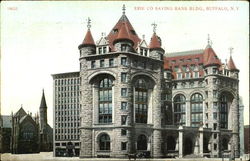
[(48, 156)]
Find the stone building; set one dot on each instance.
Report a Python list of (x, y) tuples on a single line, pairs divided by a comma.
[(135, 98), (31, 134), (6, 133)]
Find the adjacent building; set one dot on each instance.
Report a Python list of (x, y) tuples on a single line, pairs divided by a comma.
[(132, 97), (66, 112), (6, 133), (29, 134)]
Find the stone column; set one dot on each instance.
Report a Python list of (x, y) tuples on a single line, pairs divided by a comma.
[(181, 142), (157, 134), (86, 119), (188, 113), (201, 141)]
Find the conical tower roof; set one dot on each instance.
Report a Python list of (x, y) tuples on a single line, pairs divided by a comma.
[(43, 102), (210, 57), (123, 23), (155, 42), (88, 40), (231, 65), (123, 34)]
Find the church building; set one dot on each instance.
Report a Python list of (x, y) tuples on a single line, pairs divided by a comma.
[(31, 134), (136, 98)]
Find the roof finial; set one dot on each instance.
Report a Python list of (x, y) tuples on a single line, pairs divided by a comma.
[(103, 34), (208, 39), (231, 50), (88, 23), (143, 37), (154, 27), (123, 9)]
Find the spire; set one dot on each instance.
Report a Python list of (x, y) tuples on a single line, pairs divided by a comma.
[(88, 40), (43, 101), (154, 27), (209, 42), (123, 9), (230, 64)]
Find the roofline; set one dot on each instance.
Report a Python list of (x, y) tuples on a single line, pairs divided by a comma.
[(184, 53), (65, 74)]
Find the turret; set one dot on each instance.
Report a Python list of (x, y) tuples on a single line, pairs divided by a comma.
[(211, 60), (231, 66), (88, 46), (155, 45)]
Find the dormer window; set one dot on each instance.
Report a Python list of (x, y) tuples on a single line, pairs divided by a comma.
[(146, 52), (214, 70), (187, 75), (115, 31), (133, 32), (123, 47), (102, 50)]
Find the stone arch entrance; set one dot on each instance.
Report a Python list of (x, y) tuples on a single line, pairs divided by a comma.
[(188, 146)]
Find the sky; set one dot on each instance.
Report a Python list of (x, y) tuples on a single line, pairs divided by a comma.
[(41, 38)]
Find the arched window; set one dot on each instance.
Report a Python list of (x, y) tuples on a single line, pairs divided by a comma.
[(179, 109), (224, 111), (141, 101), (142, 142), (196, 109), (104, 142), (105, 101)]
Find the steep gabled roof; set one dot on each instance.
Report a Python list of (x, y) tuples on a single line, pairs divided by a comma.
[(155, 42), (115, 30), (231, 65), (20, 113)]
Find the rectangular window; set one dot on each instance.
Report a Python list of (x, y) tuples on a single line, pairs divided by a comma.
[(214, 80), (215, 136), (187, 75), (215, 115), (124, 77), (124, 145), (124, 61), (215, 126), (123, 47), (124, 119), (101, 63), (124, 92), (214, 70), (123, 132), (104, 49), (179, 75), (196, 74), (141, 51), (111, 62), (215, 93), (124, 105), (100, 50), (144, 65), (92, 64), (145, 52)]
